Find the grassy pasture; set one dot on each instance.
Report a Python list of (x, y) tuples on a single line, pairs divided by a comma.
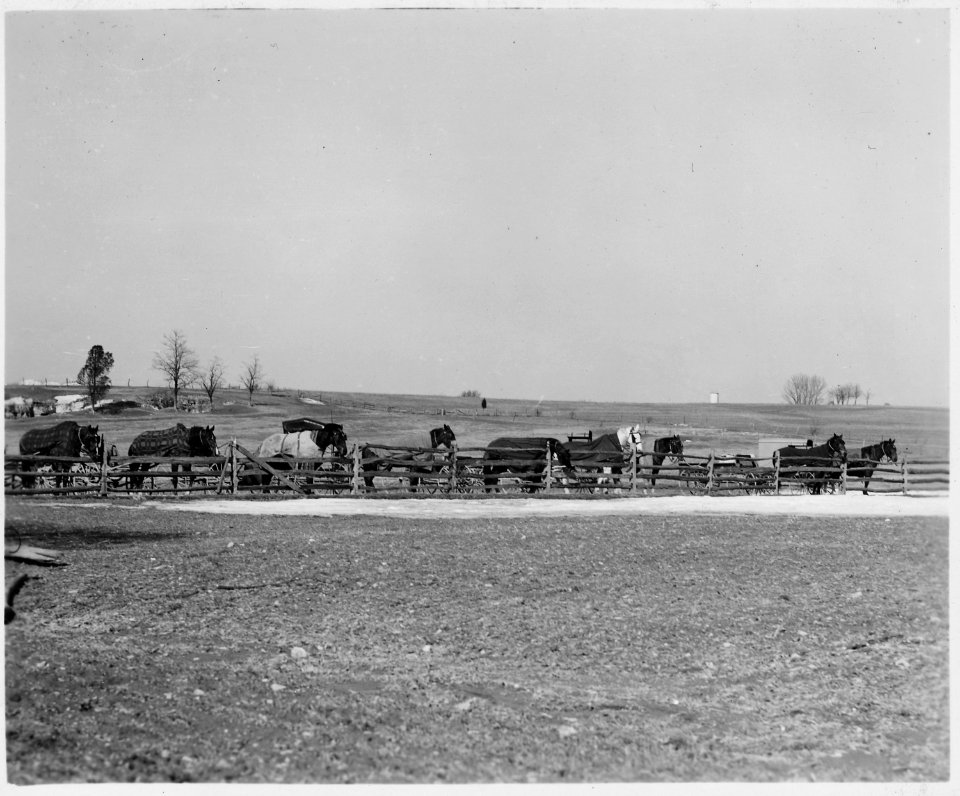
[(723, 428), (211, 648)]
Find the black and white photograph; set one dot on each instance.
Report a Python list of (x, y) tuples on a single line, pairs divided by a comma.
[(479, 394)]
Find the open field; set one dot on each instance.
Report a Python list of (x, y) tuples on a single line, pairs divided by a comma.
[(493, 640), (179, 646), (723, 428)]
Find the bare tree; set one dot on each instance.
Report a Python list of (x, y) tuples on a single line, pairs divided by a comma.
[(177, 363), (855, 392), (804, 390), (252, 378), (212, 378)]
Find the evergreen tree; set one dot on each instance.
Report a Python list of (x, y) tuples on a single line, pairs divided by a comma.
[(95, 375)]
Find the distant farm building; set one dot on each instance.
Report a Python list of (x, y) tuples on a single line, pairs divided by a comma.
[(767, 445)]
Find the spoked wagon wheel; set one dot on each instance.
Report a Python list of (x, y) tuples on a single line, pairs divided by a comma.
[(439, 482), (84, 474), (116, 481), (760, 484), (469, 479), (831, 486), (509, 486), (805, 483), (339, 484), (46, 478), (696, 478), (589, 486)]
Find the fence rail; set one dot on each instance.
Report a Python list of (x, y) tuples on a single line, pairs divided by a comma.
[(394, 469)]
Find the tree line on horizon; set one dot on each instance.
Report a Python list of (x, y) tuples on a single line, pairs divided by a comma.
[(181, 368), (804, 389), (178, 363)]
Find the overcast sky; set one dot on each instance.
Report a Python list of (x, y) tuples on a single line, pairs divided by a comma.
[(623, 205)]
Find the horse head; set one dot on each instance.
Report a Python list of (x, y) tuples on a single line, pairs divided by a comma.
[(91, 442), (629, 437), (562, 453), (332, 435), (442, 436), (674, 445), (837, 447), (889, 449), (203, 442)]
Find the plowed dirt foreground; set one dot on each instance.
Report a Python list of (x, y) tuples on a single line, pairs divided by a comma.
[(624, 643)]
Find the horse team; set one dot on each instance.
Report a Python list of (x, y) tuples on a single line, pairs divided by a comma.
[(304, 442)]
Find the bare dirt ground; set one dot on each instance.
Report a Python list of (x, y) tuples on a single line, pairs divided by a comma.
[(754, 639)]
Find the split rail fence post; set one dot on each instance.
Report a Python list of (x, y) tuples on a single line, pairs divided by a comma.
[(233, 467), (904, 469), (549, 467), (843, 478), (710, 473), (355, 480), (776, 472), (633, 467), (103, 471), (453, 469)]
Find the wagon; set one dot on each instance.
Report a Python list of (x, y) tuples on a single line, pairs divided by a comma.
[(737, 472), (469, 479)]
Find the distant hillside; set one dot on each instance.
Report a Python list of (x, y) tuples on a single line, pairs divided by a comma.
[(383, 418)]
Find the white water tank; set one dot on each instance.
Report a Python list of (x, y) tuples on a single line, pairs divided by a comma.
[(714, 397)]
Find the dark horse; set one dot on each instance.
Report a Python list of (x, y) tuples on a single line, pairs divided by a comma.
[(663, 448), (870, 457), (169, 442), (603, 453), (522, 450), (832, 453), (66, 439), (373, 459)]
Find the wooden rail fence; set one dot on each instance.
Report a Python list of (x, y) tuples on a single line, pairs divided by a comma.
[(402, 470)]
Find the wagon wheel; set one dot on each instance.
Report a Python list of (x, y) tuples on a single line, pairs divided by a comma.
[(830, 487), (759, 484), (805, 482), (82, 474), (116, 481), (440, 482), (43, 477), (339, 484), (696, 479), (46, 478), (745, 480), (469, 479), (588, 485), (510, 485)]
